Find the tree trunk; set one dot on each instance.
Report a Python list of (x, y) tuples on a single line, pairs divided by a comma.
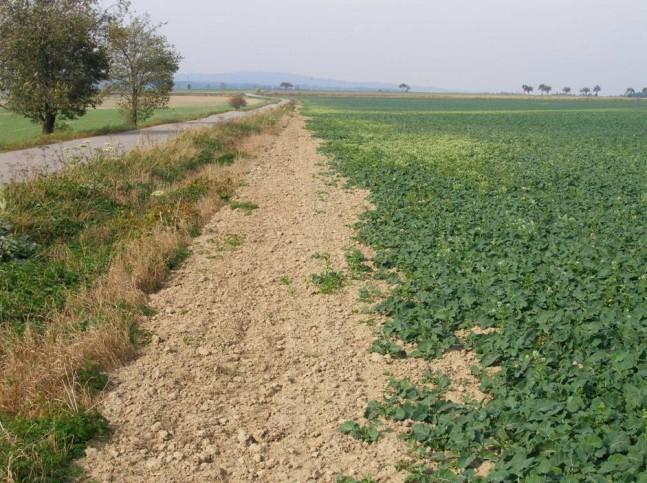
[(48, 123), (134, 108)]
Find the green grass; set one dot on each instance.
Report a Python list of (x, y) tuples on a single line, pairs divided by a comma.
[(42, 449), (525, 215), (18, 132)]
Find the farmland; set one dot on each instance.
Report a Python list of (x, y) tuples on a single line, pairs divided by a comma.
[(17, 131), (522, 223)]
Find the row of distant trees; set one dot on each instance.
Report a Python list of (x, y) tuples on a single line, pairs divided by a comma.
[(58, 58), (528, 89), (567, 91), (287, 85), (631, 92)]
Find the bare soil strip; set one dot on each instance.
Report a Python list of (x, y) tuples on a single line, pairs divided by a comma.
[(250, 371)]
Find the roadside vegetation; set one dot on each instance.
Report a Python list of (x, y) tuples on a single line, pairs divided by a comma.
[(17, 132), (79, 252), (237, 101), (523, 224)]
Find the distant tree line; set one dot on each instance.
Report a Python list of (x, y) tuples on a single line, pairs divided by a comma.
[(58, 58), (546, 89), (631, 92)]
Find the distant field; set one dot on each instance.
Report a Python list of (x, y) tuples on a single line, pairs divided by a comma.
[(525, 217), (15, 129)]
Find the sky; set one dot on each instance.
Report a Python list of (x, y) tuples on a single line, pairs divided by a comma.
[(479, 45)]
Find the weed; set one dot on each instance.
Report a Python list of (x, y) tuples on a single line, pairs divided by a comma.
[(234, 241), (321, 256), (246, 206), (226, 159), (285, 280), (328, 281), (368, 433)]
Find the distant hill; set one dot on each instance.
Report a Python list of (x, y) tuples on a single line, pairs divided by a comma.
[(272, 80)]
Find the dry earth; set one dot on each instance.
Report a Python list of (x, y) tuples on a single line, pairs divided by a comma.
[(250, 371)]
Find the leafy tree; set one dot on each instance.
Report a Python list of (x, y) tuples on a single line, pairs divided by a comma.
[(566, 90), (286, 85), (630, 92), (142, 67), (188, 87), (597, 90), (527, 89), (644, 92), (404, 87), (53, 55), (544, 88), (585, 91)]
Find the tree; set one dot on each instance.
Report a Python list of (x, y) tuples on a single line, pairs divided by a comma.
[(544, 88), (188, 87), (644, 92), (404, 87), (630, 92), (527, 89), (566, 90), (142, 67), (597, 90), (53, 55), (286, 85), (585, 91), (237, 101)]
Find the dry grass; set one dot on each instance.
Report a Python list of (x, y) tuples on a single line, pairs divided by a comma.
[(44, 369), (38, 367)]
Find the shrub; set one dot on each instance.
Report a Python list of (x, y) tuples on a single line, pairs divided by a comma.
[(237, 101)]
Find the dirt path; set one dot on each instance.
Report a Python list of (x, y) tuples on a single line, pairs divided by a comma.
[(250, 371), (22, 164)]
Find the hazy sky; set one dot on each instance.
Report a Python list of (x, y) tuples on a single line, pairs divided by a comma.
[(488, 45)]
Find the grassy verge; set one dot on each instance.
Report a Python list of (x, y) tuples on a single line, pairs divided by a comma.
[(79, 252), (97, 123)]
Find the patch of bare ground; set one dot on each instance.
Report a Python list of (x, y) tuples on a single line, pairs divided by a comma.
[(250, 370)]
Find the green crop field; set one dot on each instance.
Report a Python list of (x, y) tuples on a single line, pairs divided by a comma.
[(528, 217)]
